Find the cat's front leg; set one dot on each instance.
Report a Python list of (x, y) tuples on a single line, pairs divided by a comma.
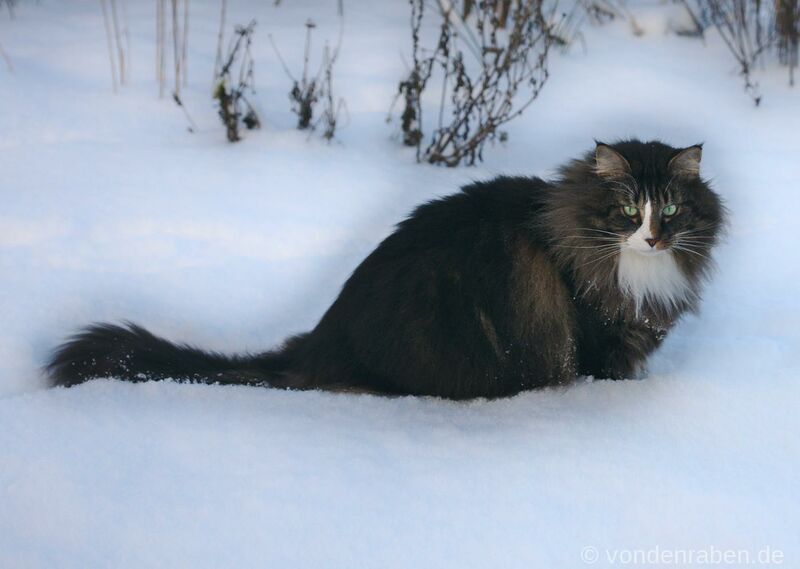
[(621, 365), (627, 355)]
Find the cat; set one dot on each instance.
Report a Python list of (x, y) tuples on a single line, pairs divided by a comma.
[(509, 285)]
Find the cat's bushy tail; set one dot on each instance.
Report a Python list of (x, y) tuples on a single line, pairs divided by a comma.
[(131, 353)]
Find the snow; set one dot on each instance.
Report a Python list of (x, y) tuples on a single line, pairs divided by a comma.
[(110, 209)]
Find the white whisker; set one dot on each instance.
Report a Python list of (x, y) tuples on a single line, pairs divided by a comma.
[(596, 247), (601, 231), (597, 260), (688, 250)]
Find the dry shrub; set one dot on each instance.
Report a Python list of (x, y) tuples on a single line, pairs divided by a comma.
[(491, 62), (232, 87)]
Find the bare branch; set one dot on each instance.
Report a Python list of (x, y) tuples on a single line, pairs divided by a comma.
[(475, 99), (234, 106), (109, 41)]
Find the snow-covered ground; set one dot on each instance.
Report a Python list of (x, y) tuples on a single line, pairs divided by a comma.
[(110, 209)]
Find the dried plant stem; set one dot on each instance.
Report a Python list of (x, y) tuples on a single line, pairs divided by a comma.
[(234, 106), (748, 28), (161, 52), (305, 91), (158, 38), (127, 35), (333, 106), (110, 43), (475, 99), (185, 42), (179, 102), (280, 57), (309, 26), (176, 53), (7, 59), (787, 24), (118, 42), (220, 37)]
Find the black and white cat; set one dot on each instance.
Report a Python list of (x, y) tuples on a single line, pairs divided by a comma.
[(508, 285)]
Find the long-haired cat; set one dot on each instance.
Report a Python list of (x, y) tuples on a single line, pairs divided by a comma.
[(508, 285)]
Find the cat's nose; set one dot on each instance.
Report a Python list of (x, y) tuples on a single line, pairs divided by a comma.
[(652, 241)]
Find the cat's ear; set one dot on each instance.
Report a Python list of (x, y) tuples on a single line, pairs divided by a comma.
[(609, 163), (687, 162)]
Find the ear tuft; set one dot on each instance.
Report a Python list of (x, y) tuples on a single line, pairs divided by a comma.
[(687, 162), (609, 163)]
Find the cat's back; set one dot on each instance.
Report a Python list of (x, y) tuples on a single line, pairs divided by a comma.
[(502, 204), (474, 231)]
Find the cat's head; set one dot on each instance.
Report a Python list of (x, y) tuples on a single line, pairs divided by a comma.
[(637, 207), (652, 200)]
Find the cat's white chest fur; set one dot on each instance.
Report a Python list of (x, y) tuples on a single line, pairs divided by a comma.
[(647, 274), (652, 278)]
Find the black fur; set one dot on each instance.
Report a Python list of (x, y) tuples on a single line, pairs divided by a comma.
[(485, 293)]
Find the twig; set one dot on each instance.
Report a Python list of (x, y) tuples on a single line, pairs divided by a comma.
[(179, 102), (220, 37), (161, 52), (304, 93), (479, 99), (109, 41), (10, 5), (696, 22), (280, 58), (233, 103), (118, 42), (185, 45), (7, 59), (333, 107), (127, 35), (176, 47)]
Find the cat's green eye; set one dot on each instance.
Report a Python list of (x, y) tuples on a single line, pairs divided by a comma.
[(671, 209), (630, 211)]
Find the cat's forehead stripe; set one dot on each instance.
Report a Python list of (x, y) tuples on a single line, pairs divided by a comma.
[(654, 193), (647, 222), (652, 220)]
